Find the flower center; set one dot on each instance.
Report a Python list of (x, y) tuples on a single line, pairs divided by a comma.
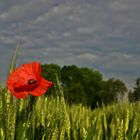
[(32, 81)]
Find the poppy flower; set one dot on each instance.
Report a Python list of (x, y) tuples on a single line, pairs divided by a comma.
[(27, 79)]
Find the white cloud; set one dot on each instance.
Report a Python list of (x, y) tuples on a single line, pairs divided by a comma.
[(87, 57)]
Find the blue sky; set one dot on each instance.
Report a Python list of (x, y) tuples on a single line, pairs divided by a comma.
[(104, 35)]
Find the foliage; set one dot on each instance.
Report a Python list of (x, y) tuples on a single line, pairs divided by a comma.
[(85, 85), (49, 72), (135, 95), (112, 90)]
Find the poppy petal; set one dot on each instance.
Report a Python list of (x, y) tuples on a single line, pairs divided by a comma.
[(42, 88), (32, 68), (20, 94), (21, 75)]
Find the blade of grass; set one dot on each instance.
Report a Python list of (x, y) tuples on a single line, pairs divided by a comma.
[(13, 60)]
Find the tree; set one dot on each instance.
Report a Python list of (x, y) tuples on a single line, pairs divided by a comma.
[(84, 85), (91, 81), (130, 96), (71, 81), (81, 84), (75, 94), (70, 74), (112, 90), (49, 71), (136, 93)]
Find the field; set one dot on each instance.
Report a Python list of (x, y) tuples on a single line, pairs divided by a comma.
[(50, 118)]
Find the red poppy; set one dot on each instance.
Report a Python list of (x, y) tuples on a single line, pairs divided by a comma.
[(27, 80)]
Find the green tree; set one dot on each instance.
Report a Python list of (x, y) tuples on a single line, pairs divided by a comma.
[(112, 90), (81, 85), (70, 74), (71, 81), (85, 85), (75, 94), (130, 96), (91, 81), (136, 92), (49, 72)]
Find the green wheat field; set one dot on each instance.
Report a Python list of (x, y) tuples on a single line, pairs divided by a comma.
[(51, 118)]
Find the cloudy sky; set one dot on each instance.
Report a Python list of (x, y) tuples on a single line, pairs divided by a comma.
[(101, 34)]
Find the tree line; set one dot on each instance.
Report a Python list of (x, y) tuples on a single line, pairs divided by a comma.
[(85, 85)]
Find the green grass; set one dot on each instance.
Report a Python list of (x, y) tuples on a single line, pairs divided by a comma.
[(50, 118)]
